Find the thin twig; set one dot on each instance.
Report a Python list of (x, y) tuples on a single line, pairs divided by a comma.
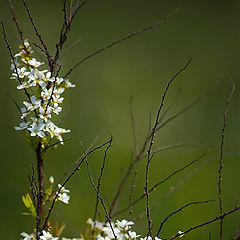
[(191, 105), (100, 178), (133, 162), (100, 198), (179, 210), (221, 159), (14, 15), (149, 151), (88, 149), (123, 39), (172, 190), (153, 188), (54, 144), (68, 178), (222, 216), (49, 57), (171, 105), (14, 62)]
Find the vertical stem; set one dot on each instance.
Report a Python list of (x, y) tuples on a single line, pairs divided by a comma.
[(40, 186)]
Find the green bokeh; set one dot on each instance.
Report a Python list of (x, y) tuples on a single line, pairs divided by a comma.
[(207, 31)]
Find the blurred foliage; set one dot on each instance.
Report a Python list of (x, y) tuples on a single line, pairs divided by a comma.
[(207, 31)]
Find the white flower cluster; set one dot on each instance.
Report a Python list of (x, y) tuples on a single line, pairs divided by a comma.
[(44, 95), (122, 230), (102, 231)]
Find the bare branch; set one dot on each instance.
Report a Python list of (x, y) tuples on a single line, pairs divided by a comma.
[(100, 198), (49, 57), (191, 105), (172, 190), (222, 216), (88, 149), (69, 177), (14, 15), (122, 40), (149, 152), (100, 178), (153, 188), (179, 210), (138, 157), (221, 160)]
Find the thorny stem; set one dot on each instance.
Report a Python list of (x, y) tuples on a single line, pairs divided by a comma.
[(172, 190), (100, 178), (40, 186), (140, 155), (221, 160), (178, 210), (68, 178), (149, 152), (161, 182), (99, 196), (222, 216)]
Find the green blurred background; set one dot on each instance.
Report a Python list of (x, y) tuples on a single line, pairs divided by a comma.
[(207, 31)]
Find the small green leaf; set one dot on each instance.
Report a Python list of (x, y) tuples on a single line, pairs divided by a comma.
[(29, 205)]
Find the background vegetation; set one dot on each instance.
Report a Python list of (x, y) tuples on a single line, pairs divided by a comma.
[(208, 31)]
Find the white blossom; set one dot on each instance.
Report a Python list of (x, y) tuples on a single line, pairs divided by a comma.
[(180, 233), (27, 236), (33, 62), (68, 84), (51, 179), (47, 236), (36, 129), (63, 197)]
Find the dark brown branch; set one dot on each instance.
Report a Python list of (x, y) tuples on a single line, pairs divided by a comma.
[(100, 178), (40, 186), (122, 40), (100, 198), (34, 187), (68, 19), (221, 160), (14, 63), (172, 190), (51, 63), (138, 157), (171, 105), (54, 144), (153, 188), (149, 152), (191, 105), (222, 216), (69, 177), (179, 210), (88, 149), (14, 15)]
